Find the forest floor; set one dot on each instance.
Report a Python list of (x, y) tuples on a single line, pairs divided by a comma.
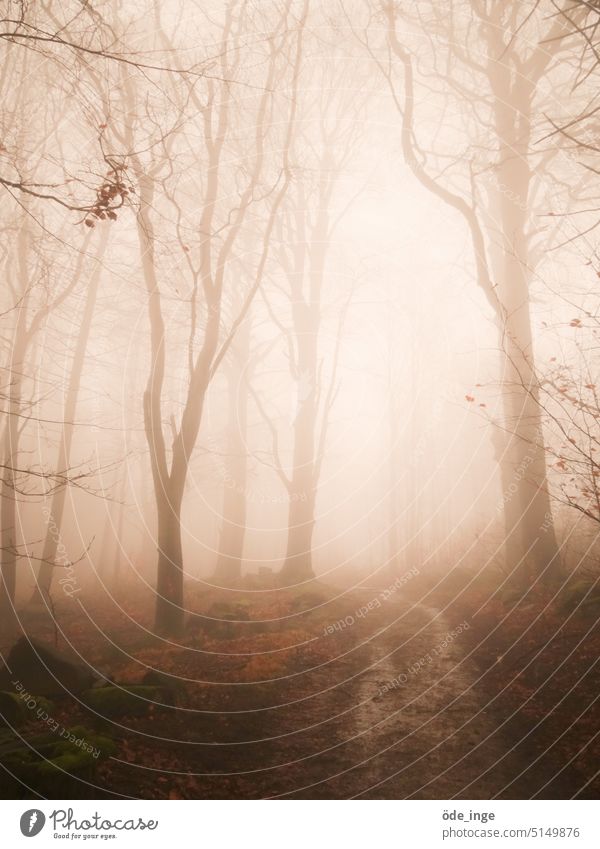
[(376, 692)]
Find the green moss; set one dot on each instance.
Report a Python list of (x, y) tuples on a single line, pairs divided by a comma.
[(118, 701), (51, 764), (44, 705), (75, 762), (580, 593), (13, 709)]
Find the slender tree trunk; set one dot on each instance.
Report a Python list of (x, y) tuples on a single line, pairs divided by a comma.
[(413, 549), (169, 477), (412, 530), (169, 612), (394, 464), (116, 558), (233, 527), (168, 484), (8, 511), (10, 449), (306, 314), (302, 488), (47, 568), (298, 558)]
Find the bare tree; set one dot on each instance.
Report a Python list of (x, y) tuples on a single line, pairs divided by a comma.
[(207, 244), (495, 196), (47, 566), (35, 295), (306, 227)]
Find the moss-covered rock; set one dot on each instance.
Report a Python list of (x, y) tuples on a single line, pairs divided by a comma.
[(18, 708), (43, 670), (583, 594), (115, 701), (13, 710), (54, 764), (170, 686), (227, 620)]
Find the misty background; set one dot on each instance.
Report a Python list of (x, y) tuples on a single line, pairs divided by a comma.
[(257, 168)]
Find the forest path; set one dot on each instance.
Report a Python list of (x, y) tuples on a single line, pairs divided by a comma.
[(422, 725), (426, 726)]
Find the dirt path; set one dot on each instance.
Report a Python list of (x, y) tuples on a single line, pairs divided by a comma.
[(426, 730), (417, 721)]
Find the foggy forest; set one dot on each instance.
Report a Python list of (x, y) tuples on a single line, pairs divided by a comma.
[(300, 432)]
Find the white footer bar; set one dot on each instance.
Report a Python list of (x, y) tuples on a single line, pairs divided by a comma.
[(302, 824)]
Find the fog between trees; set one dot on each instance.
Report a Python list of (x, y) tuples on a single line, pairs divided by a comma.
[(296, 289)]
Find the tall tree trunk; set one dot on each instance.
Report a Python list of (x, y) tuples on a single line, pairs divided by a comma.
[(233, 527), (10, 449), (116, 558), (169, 612), (394, 465), (301, 521), (169, 477), (532, 548), (10, 453), (531, 541), (415, 415), (168, 482), (302, 487), (306, 315), (47, 568)]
